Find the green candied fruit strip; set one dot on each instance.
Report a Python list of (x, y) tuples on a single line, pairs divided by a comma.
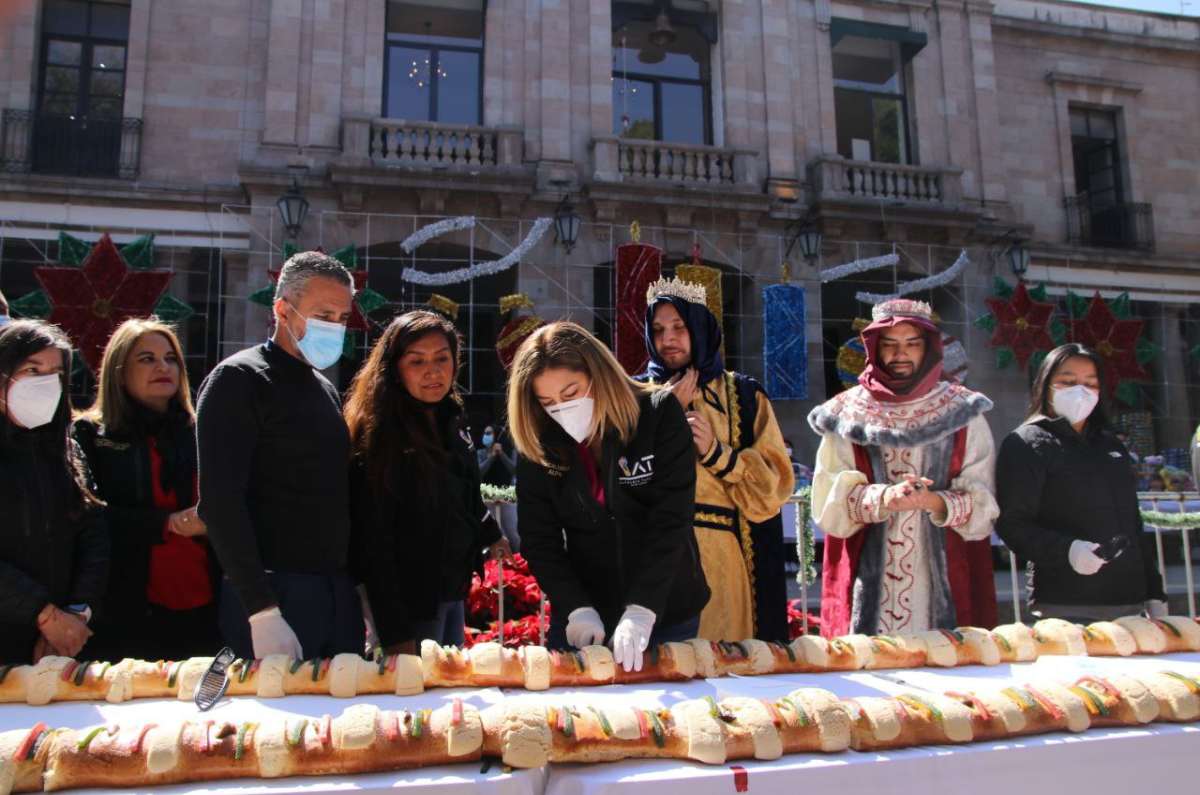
[(604, 724), (83, 744)]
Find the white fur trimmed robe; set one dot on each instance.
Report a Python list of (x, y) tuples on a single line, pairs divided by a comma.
[(903, 581)]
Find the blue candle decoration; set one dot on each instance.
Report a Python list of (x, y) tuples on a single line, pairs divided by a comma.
[(785, 352)]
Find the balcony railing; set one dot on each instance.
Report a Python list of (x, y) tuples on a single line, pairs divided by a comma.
[(1123, 225), (429, 145), (689, 165), (73, 146), (835, 177)]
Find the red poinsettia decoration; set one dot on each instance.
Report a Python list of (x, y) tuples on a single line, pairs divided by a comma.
[(522, 595), (519, 632), (90, 301), (1114, 338), (1022, 324), (796, 620)]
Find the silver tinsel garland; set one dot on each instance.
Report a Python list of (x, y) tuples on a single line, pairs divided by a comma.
[(916, 285), (858, 266), (437, 229), (480, 268)]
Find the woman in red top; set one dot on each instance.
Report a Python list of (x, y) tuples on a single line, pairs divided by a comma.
[(139, 438)]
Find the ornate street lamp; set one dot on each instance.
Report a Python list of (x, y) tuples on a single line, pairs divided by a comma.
[(809, 238), (566, 224), (1018, 260), (293, 208)]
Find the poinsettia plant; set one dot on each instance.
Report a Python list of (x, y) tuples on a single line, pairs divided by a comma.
[(517, 632), (796, 620), (522, 600)]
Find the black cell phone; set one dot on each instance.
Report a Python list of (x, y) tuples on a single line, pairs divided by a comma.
[(1113, 548)]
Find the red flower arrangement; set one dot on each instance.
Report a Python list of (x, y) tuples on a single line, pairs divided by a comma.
[(796, 620), (522, 600)]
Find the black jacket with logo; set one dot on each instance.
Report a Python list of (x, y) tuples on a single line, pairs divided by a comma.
[(638, 549), (418, 546), (1055, 486), (52, 549)]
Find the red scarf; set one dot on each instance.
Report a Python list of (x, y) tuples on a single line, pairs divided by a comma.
[(888, 387)]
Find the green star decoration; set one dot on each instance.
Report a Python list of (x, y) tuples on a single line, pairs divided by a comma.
[(264, 297), (369, 300), (140, 253), (31, 305), (348, 256), (172, 310), (71, 250)]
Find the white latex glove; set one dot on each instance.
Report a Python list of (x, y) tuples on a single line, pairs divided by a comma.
[(1083, 558), (270, 634), (584, 627), (632, 636), (1157, 608)]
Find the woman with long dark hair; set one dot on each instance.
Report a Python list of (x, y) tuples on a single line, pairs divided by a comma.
[(1068, 499), (419, 522), (139, 437), (53, 542)]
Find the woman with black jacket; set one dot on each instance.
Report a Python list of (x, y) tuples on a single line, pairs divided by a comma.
[(139, 437), (53, 542), (606, 491), (1068, 500), (418, 521)]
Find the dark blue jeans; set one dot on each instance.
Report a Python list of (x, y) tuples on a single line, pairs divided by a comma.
[(322, 609), (556, 638), (446, 628)]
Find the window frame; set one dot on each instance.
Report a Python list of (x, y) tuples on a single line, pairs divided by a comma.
[(705, 84), (87, 43), (902, 79), (391, 40), (1113, 144)]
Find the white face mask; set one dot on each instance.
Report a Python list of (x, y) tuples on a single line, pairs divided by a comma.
[(575, 417), (1075, 403), (32, 401)]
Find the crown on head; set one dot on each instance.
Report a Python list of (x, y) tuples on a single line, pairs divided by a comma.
[(902, 307), (677, 288)]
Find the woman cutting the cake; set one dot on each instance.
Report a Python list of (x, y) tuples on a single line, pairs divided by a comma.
[(607, 486)]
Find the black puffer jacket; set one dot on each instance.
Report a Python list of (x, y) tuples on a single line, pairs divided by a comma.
[(419, 545), (1055, 486), (639, 548), (52, 548), (121, 467)]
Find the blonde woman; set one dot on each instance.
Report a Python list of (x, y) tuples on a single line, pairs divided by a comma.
[(606, 485), (139, 438)]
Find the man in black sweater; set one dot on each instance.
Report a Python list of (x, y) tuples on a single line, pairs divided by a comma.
[(274, 458)]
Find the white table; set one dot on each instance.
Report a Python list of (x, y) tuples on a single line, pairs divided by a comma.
[(1125, 761)]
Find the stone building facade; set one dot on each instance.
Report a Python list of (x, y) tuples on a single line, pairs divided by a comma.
[(724, 126)]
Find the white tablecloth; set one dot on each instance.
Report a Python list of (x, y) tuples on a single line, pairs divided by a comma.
[(1158, 758)]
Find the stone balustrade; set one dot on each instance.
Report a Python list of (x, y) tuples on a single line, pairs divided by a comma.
[(835, 177)]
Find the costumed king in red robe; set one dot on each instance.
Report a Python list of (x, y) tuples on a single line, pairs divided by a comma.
[(904, 488)]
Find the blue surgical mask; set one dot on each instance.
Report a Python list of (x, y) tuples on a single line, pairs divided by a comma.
[(488, 439), (322, 343)]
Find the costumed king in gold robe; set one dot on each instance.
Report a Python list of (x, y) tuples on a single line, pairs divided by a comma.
[(743, 475), (904, 488)]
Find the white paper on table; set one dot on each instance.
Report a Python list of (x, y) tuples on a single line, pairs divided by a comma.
[(1050, 665)]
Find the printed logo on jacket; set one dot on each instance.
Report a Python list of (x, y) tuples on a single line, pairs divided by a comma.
[(637, 473)]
